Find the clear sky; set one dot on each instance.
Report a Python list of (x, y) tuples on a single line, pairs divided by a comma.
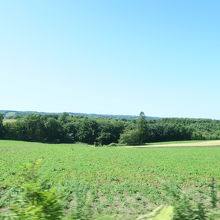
[(111, 56)]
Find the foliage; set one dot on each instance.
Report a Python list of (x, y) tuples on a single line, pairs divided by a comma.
[(213, 193), (196, 204), (33, 200), (184, 209), (54, 131), (138, 135), (66, 128), (1, 126), (63, 128), (142, 128), (130, 137)]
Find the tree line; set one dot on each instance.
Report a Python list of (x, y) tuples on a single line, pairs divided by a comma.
[(65, 128)]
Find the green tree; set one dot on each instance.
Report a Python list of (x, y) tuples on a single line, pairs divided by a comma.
[(54, 130), (142, 128), (34, 128), (87, 131), (64, 117), (104, 138), (1, 126), (130, 137), (138, 135)]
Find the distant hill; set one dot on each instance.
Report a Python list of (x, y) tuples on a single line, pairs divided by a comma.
[(12, 113)]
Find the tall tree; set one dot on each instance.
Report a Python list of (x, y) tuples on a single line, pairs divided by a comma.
[(142, 128), (1, 126)]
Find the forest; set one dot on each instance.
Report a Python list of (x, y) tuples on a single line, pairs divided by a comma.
[(65, 128)]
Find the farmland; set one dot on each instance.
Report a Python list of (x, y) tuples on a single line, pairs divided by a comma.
[(109, 182)]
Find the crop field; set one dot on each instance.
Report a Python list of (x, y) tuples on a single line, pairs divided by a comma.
[(109, 182)]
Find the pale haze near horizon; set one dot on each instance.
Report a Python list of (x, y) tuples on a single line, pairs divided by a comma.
[(111, 57)]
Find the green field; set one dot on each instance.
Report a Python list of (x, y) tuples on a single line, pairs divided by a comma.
[(111, 182)]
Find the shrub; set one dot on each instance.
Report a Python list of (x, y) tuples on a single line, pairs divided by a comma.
[(130, 138), (33, 200)]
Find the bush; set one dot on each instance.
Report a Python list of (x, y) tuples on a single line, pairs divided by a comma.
[(104, 138), (130, 138), (33, 200)]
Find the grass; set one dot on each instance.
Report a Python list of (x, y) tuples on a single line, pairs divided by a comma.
[(109, 183)]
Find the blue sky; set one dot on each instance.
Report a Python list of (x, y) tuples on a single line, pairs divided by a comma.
[(111, 56)]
